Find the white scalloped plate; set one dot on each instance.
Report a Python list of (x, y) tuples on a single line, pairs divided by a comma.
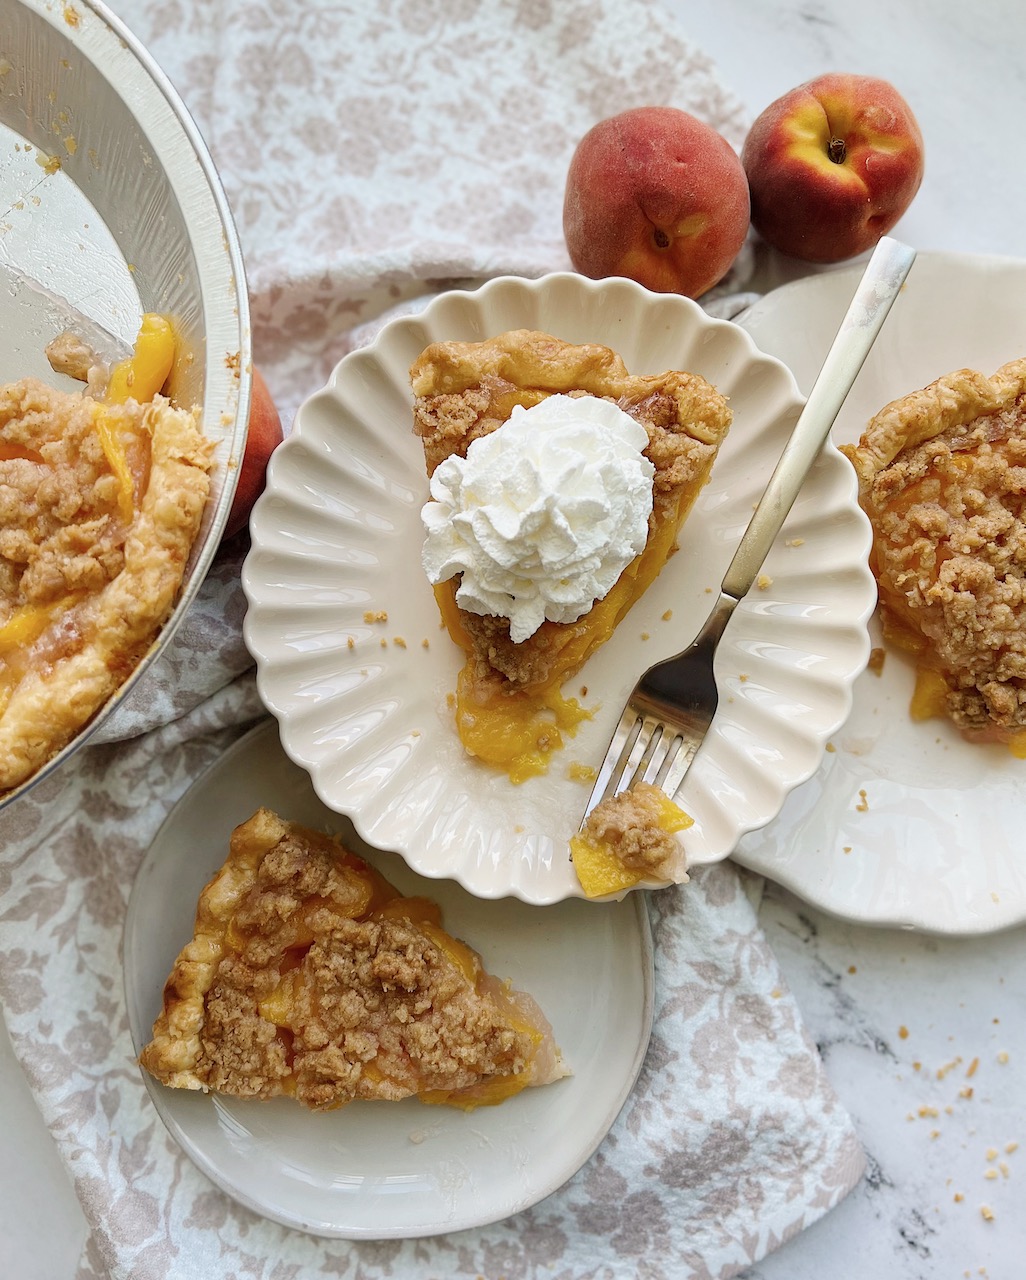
[(903, 824), (362, 705)]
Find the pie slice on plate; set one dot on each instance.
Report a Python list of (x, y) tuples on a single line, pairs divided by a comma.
[(309, 975), (942, 477), (510, 710)]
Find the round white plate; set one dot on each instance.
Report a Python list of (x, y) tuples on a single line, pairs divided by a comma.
[(903, 824), (376, 1170), (363, 704)]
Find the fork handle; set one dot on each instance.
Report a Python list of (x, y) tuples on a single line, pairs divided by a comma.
[(879, 286)]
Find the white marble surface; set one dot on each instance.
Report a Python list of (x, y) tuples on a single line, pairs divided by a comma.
[(923, 1039), (900, 1019)]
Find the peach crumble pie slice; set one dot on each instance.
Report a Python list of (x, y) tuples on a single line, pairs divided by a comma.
[(310, 976), (510, 710), (942, 477)]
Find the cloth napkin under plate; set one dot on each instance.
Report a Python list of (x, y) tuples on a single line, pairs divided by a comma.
[(373, 153)]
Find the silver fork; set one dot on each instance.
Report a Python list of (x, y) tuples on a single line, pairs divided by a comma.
[(672, 706)]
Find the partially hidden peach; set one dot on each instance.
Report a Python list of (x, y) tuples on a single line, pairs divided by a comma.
[(832, 166), (656, 195), (264, 436)]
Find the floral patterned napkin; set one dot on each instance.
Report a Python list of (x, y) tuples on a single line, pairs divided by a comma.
[(373, 153)]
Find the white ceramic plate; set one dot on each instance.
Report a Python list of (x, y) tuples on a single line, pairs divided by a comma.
[(903, 824), (376, 1170), (363, 705)]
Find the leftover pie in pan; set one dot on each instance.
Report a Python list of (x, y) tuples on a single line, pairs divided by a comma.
[(100, 503)]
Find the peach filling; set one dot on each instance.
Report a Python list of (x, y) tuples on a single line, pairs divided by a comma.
[(36, 636), (143, 374), (518, 728), (139, 378)]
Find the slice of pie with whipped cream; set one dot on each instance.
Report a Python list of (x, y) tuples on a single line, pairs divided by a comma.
[(559, 482)]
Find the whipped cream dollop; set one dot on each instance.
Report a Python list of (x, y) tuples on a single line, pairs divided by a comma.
[(543, 514)]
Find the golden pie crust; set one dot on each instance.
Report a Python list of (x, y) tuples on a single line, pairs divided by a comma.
[(308, 975), (466, 390), (99, 507), (942, 477)]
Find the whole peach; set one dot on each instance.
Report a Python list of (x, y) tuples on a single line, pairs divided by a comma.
[(832, 166), (263, 437), (656, 195)]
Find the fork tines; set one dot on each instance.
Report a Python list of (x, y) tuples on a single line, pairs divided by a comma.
[(642, 749)]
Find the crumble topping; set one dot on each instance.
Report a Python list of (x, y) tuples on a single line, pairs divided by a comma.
[(308, 975), (59, 526), (99, 508), (70, 354), (942, 476)]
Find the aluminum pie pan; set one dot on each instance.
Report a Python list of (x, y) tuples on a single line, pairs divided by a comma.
[(110, 206)]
